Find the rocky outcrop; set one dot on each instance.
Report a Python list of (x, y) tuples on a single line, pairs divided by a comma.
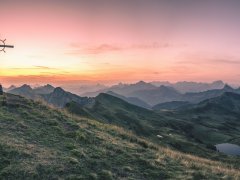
[(1, 90)]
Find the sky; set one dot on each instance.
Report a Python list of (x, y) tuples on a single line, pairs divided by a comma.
[(108, 41)]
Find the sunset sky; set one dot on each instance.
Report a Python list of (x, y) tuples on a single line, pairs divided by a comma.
[(109, 41)]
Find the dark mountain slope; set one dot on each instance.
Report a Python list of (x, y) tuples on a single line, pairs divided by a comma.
[(60, 98), (225, 104), (215, 120), (173, 130), (113, 110), (173, 105)]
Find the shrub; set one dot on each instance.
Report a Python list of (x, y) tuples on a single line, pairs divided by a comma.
[(106, 175)]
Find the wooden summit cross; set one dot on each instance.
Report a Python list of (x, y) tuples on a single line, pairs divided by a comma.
[(3, 45)]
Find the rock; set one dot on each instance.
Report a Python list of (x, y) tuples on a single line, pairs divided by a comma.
[(159, 136), (1, 90)]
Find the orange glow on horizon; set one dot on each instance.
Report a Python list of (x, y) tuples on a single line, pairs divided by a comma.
[(59, 42)]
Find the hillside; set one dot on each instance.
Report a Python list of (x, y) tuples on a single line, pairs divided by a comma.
[(184, 130), (38, 142), (215, 120), (228, 103), (112, 110)]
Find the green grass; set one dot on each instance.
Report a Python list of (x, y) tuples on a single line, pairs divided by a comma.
[(40, 142)]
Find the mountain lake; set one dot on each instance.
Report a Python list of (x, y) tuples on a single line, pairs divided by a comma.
[(229, 149)]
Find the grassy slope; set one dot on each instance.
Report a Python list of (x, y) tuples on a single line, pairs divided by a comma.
[(43, 143), (179, 129)]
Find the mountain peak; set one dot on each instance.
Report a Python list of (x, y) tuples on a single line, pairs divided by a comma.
[(26, 87), (49, 86), (58, 90), (218, 82), (227, 87), (141, 83), (12, 87)]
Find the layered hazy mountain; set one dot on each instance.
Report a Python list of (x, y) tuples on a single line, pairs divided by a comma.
[(152, 94), (185, 86), (9, 88), (132, 100), (182, 87), (27, 91), (157, 95), (141, 94), (123, 89), (84, 87), (44, 89), (54, 96)]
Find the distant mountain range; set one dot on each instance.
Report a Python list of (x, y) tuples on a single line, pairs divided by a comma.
[(153, 95), (54, 96), (82, 88), (131, 100), (157, 95), (182, 87), (185, 86), (123, 89), (141, 94), (9, 88), (26, 90)]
